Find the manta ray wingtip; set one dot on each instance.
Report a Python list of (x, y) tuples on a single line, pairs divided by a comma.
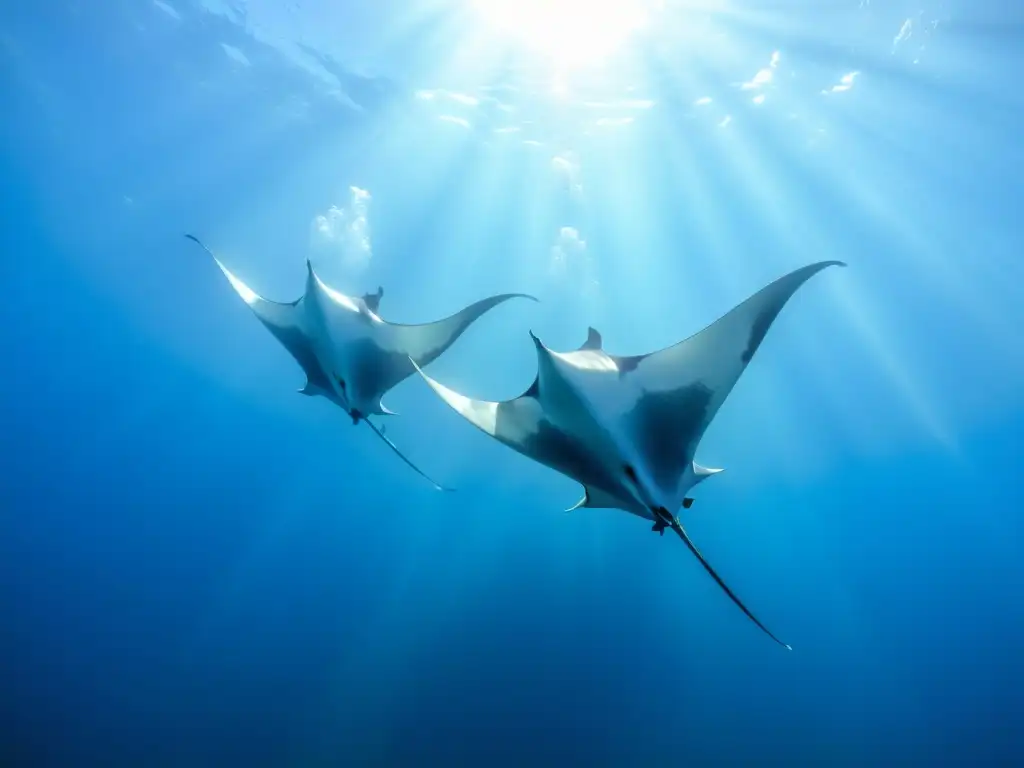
[(202, 245)]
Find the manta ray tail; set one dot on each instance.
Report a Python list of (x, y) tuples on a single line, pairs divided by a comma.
[(403, 457), (686, 539)]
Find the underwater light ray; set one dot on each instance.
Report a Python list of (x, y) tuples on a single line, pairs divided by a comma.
[(915, 198), (865, 316), (844, 194), (693, 164), (903, 381), (952, 62), (239, 138), (215, 156), (567, 33), (766, 211), (832, 31), (706, 174), (441, 190), (701, 51), (699, 169), (466, 202), (468, 59), (687, 240), (628, 237), (896, 108), (754, 176)]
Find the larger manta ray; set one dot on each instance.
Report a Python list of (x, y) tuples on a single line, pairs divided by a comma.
[(348, 353), (627, 428)]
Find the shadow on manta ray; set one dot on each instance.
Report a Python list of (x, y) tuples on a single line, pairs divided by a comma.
[(627, 427), (348, 353)]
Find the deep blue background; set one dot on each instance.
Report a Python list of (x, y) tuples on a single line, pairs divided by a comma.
[(198, 567)]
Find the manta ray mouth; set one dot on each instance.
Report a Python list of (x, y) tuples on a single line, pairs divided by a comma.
[(662, 519), (355, 413)]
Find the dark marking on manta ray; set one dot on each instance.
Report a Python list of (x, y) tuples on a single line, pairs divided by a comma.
[(299, 347), (554, 447), (355, 413), (660, 420), (388, 369), (760, 328)]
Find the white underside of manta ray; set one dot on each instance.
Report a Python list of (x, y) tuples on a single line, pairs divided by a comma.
[(627, 428), (349, 354)]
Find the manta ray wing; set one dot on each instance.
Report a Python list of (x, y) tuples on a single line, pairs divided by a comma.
[(391, 345), (665, 400), (522, 424), (285, 321), (425, 342)]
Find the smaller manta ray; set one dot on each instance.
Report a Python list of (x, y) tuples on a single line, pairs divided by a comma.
[(627, 428), (348, 353)]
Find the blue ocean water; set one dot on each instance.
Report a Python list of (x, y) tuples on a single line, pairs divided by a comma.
[(199, 567)]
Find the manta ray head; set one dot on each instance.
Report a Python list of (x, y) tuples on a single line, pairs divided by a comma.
[(332, 386), (604, 453), (643, 492), (345, 393), (343, 398), (335, 390)]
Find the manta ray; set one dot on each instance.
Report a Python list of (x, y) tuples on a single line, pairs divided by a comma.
[(349, 354), (627, 427)]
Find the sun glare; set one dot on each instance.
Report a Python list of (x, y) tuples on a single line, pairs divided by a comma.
[(570, 32)]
